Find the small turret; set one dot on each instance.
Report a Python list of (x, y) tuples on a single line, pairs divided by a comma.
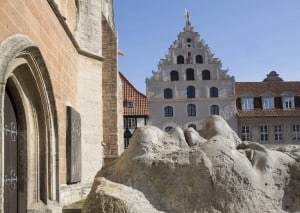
[(272, 76)]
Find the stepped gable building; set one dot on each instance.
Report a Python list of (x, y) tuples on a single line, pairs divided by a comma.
[(190, 85), (269, 111), (61, 101), (136, 109)]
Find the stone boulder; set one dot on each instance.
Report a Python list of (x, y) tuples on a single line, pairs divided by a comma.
[(183, 172)]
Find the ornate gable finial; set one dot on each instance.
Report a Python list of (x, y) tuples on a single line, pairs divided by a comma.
[(187, 18)]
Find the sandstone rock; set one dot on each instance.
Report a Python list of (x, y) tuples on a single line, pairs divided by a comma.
[(116, 198), (174, 173), (216, 125)]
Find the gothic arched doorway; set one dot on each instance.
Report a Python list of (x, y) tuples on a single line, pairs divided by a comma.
[(28, 113)]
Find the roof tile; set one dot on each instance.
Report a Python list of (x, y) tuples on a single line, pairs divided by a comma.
[(130, 93)]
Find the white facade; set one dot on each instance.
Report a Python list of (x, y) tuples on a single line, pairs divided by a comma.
[(190, 85)]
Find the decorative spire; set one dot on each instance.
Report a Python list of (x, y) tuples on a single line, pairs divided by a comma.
[(187, 18)]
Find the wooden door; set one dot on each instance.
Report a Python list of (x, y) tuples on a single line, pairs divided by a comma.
[(10, 157)]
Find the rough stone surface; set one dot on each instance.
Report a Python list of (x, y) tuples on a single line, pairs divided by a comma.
[(114, 198), (183, 172)]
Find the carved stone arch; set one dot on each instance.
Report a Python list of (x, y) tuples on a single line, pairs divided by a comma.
[(24, 75)]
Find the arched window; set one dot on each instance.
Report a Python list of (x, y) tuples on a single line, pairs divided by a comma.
[(168, 111), (174, 75), (190, 75), (205, 75), (168, 129), (180, 59), (214, 92), (190, 92), (214, 110), (168, 93), (199, 59), (191, 110), (193, 126)]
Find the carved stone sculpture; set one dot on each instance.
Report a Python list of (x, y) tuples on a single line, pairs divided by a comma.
[(183, 172)]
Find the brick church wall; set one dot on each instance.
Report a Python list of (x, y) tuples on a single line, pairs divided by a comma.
[(112, 95)]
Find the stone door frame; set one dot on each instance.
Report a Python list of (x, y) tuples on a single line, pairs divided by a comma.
[(24, 73)]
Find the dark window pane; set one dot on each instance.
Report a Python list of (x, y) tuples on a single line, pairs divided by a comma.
[(168, 94), (174, 76), (190, 91), (180, 59), (205, 75), (190, 75)]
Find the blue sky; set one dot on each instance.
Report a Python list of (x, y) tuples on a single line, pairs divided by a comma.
[(251, 38)]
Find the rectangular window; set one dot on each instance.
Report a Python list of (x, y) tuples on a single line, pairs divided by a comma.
[(268, 103), (245, 133), (288, 102), (247, 103), (296, 132), (130, 104), (264, 135), (278, 133), (130, 123)]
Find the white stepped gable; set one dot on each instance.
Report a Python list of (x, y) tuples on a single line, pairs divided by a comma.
[(188, 43)]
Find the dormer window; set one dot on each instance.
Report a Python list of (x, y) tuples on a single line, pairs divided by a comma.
[(247, 103), (288, 101), (268, 100), (268, 103), (130, 104)]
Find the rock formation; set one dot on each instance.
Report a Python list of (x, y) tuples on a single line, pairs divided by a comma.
[(184, 172)]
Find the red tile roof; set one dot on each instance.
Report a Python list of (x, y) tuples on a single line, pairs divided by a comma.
[(269, 113), (258, 88), (130, 93)]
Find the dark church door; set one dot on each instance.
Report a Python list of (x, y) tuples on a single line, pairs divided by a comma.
[(10, 157)]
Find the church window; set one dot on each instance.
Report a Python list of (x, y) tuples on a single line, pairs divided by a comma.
[(206, 75), (168, 111), (168, 93), (174, 76), (199, 59), (214, 110), (214, 92), (191, 110), (180, 59), (190, 92), (190, 75)]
